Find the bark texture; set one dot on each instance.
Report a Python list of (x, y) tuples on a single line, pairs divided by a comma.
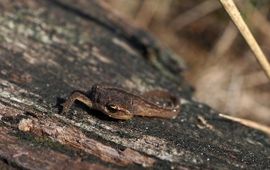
[(50, 48)]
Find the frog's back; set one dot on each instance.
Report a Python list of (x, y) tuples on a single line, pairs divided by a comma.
[(107, 94)]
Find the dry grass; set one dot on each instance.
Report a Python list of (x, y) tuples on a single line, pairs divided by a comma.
[(238, 20), (221, 66)]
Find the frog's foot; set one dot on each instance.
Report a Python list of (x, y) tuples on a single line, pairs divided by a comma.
[(65, 107)]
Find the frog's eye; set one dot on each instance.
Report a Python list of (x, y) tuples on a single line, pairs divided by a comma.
[(112, 108)]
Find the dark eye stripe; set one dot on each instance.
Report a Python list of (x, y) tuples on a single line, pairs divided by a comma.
[(112, 108)]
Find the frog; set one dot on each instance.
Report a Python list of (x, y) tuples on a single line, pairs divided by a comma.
[(120, 104)]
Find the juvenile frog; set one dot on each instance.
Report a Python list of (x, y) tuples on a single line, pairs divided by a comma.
[(120, 104)]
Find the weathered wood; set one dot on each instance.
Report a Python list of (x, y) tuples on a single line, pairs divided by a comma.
[(50, 48), (21, 155)]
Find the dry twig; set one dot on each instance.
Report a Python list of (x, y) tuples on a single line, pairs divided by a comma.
[(235, 15), (249, 123)]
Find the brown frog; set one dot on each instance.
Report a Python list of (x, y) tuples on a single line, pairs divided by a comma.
[(120, 104)]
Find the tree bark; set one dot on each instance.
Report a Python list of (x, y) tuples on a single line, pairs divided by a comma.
[(50, 48)]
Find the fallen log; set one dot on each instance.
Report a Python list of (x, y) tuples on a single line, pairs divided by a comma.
[(50, 48)]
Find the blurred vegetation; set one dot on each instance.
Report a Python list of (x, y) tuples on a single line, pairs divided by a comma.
[(220, 65)]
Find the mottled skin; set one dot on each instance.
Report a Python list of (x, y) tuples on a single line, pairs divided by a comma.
[(119, 104)]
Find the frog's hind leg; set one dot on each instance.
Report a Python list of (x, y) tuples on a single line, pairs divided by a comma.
[(72, 98), (151, 109), (161, 95)]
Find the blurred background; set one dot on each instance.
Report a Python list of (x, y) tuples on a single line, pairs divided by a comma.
[(221, 66)]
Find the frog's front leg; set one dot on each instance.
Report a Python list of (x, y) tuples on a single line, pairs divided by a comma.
[(73, 97)]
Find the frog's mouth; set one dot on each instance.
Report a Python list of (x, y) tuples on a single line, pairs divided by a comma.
[(120, 115)]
